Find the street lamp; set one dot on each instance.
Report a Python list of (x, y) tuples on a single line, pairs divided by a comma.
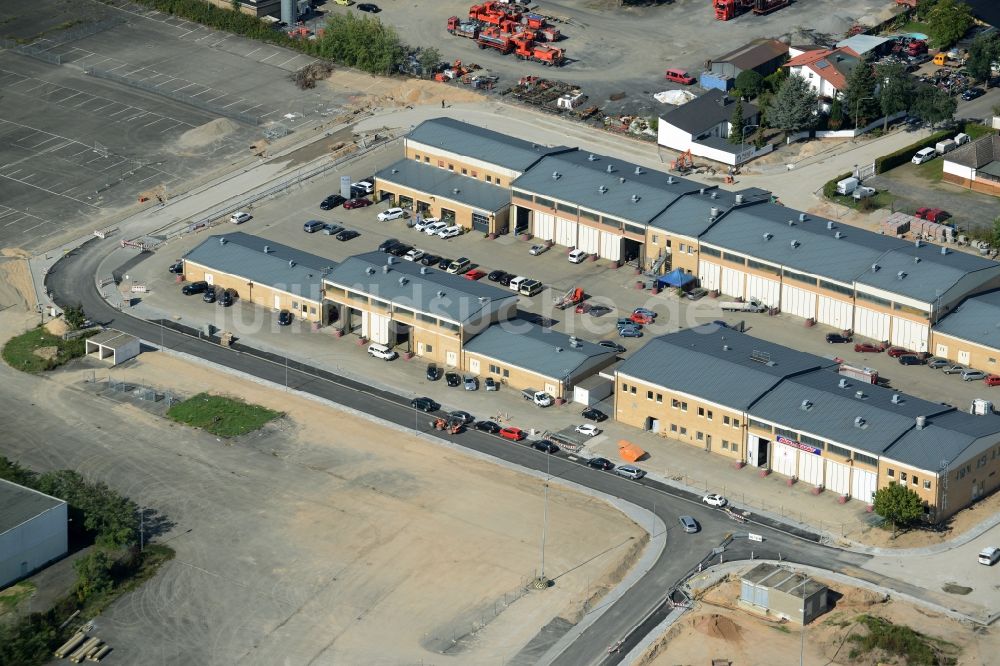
[(885, 113), (743, 137)]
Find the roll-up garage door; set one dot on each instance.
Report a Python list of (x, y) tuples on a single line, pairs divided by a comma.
[(783, 461), (909, 334), (798, 302), (811, 468), (838, 478), (589, 239), (708, 274), (611, 245), (871, 324), (834, 312), (863, 485), (732, 282), (545, 226), (566, 232), (761, 289), (365, 328), (379, 328)]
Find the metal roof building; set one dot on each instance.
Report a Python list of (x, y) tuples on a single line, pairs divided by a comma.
[(691, 215), (446, 185), (976, 320), (33, 530), (929, 273)]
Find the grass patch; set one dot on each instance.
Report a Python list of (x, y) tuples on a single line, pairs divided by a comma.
[(897, 641), (914, 26), (977, 130), (221, 416), (19, 352), (780, 627), (930, 171), (881, 199), (15, 594)]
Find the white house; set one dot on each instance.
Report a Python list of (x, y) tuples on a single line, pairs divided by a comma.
[(703, 127), (825, 70)]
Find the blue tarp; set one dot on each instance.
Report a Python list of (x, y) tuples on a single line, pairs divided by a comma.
[(675, 278)]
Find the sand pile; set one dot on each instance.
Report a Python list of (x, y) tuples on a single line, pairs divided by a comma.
[(47, 353), (207, 134), (57, 326), (718, 626)]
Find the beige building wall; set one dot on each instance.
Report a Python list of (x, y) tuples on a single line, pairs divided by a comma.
[(511, 375), (257, 294), (465, 166), (434, 206), (969, 354)]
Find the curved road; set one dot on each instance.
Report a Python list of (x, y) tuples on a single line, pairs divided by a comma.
[(72, 281)]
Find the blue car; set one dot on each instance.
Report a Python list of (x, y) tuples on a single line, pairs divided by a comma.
[(629, 332)]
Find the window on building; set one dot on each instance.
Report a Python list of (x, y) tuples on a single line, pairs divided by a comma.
[(862, 296), (784, 432), (673, 427), (426, 159), (799, 277), (868, 460), (684, 430), (902, 476), (700, 436), (649, 395), (541, 201), (711, 251), (735, 258), (684, 406), (475, 174), (465, 172), (295, 305), (631, 389), (991, 360), (416, 157), (725, 420), (675, 403), (927, 484), (725, 445), (494, 369), (760, 425), (441, 163), (659, 398), (763, 267), (690, 249), (835, 450), (489, 178), (624, 387), (708, 414), (915, 480), (812, 441), (890, 472), (734, 447), (312, 309), (498, 181), (681, 247), (451, 167), (506, 372), (656, 239), (701, 411), (736, 423)]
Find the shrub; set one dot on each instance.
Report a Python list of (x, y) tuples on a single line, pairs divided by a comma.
[(903, 155)]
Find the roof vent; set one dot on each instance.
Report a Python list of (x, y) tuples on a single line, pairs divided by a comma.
[(370, 270), (556, 175), (386, 269), (670, 180), (713, 211), (917, 243), (222, 241), (440, 294), (944, 250), (635, 198), (574, 342), (860, 395), (900, 275), (621, 179), (739, 199), (701, 191), (875, 268), (791, 223), (483, 299), (802, 217), (896, 399), (424, 270), (859, 422), (767, 237), (638, 171), (715, 195), (921, 422), (602, 189), (403, 280), (726, 347), (916, 260), (454, 190), (842, 383), (794, 244), (611, 168), (838, 235), (829, 224), (592, 157), (558, 349), (291, 263), (395, 171), (390, 259), (805, 406), (267, 248)]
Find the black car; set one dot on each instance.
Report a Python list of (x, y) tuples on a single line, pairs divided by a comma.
[(505, 279), (430, 260), (611, 344), (594, 415), (368, 7), (347, 234), (284, 318), (226, 297), (194, 288), (386, 244), (545, 445), (424, 404), (332, 201), (598, 310), (444, 263), (176, 268), (433, 372), (400, 249), (494, 276), (601, 463), (973, 93), (209, 296), (453, 379), (833, 338), (910, 359), (491, 427)]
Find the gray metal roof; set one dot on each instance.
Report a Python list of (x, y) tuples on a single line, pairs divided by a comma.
[(924, 273), (690, 215), (281, 267), (952, 438), (862, 44), (479, 143), (446, 184), (112, 339), (977, 320), (537, 349), (705, 112), (721, 365), (977, 154), (405, 284), (581, 175), (19, 504), (754, 54)]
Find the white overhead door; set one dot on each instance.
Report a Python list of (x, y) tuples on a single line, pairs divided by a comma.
[(838, 477), (811, 468), (783, 460), (941, 350), (732, 282), (871, 324), (545, 226), (708, 274), (761, 289), (590, 239), (798, 302), (909, 334), (834, 312), (863, 484), (379, 328), (365, 328), (611, 245), (565, 232)]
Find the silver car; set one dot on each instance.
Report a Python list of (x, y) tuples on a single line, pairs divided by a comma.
[(537, 250), (953, 369), (938, 363), (689, 524), (973, 375), (630, 472)]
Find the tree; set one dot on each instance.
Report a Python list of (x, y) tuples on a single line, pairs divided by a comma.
[(74, 316), (984, 50), (931, 104), (898, 504), (995, 238), (93, 574), (836, 114), (235, 5), (429, 59), (749, 83), (15, 473), (860, 101), (736, 124), (793, 107), (895, 89), (948, 21)]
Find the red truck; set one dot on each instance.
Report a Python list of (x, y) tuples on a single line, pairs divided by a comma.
[(461, 28), (493, 41)]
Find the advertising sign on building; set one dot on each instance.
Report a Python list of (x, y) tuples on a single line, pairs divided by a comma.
[(798, 445)]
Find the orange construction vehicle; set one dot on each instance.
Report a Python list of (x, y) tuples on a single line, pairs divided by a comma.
[(461, 28), (547, 55), (726, 10), (491, 38)]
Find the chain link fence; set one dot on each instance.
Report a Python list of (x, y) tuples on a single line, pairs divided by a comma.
[(140, 392), (42, 51)]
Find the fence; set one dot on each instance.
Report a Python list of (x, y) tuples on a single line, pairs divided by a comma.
[(32, 51), (190, 100), (138, 391), (41, 51)]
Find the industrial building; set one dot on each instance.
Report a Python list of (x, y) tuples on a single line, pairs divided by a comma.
[(703, 127), (779, 409), (764, 56), (975, 166), (969, 335), (262, 272), (782, 593), (33, 531)]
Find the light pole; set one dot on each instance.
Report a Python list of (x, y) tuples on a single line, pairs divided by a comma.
[(545, 514), (885, 113), (857, 106), (743, 137)]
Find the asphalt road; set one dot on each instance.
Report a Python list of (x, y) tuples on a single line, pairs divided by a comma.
[(72, 281)]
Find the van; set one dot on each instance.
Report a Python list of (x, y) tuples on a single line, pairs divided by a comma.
[(312, 226), (515, 283), (458, 266), (961, 139), (942, 147), (989, 556), (576, 256), (381, 351), (923, 155), (847, 186), (679, 76), (530, 287)]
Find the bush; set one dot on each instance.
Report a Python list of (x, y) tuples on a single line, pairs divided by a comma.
[(904, 155), (19, 351)]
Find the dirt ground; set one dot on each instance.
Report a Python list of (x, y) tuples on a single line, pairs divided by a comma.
[(717, 629), (379, 92), (418, 527)]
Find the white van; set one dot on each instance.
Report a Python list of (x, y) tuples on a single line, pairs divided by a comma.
[(530, 287), (989, 556), (923, 155), (515, 283), (847, 186), (577, 256), (381, 351)]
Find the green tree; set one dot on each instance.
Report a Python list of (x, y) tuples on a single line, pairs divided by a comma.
[(736, 123), (860, 101), (74, 316), (749, 83), (15, 473), (773, 81), (793, 107), (895, 89), (235, 5), (924, 6), (429, 59), (110, 517), (93, 574), (948, 21), (984, 50), (898, 504), (931, 104), (836, 114), (995, 239)]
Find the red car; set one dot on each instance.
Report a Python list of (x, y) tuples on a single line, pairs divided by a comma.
[(641, 318), (896, 352), (583, 308), (356, 203), (863, 347), (512, 433), (932, 214), (992, 380), (474, 274)]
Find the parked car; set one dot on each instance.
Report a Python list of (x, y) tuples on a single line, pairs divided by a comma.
[(938, 363), (576, 256), (992, 380), (896, 352), (239, 217), (490, 384), (284, 318), (453, 379), (973, 375), (595, 415), (953, 369), (460, 265), (641, 318), (434, 373), (629, 332), (209, 296), (226, 297), (348, 234), (359, 202), (494, 276), (932, 214), (598, 310), (176, 268), (391, 214), (491, 427), (867, 347), (630, 472), (923, 155), (471, 384), (715, 500), (910, 359), (538, 249), (627, 321), (331, 202), (679, 76), (474, 274), (689, 524), (601, 463), (989, 556), (465, 417), (450, 232), (424, 222), (973, 93), (588, 429), (545, 445), (332, 229), (444, 263), (425, 404), (434, 227), (646, 312), (696, 293), (430, 259), (414, 255), (376, 350), (194, 288), (386, 244), (611, 344), (312, 226), (836, 338), (512, 433), (400, 249), (368, 7)]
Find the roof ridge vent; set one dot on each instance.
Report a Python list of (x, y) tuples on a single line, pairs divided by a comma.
[(713, 212), (944, 250), (483, 299), (222, 241), (611, 168), (440, 294), (838, 235), (860, 395), (592, 157), (900, 275), (802, 217), (875, 268), (395, 170), (403, 280), (794, 244), (602, 189), (638, 171), (390, 259), (670, 180), (829, 225), (370, 270), (791, 223), (621, 179), (767, 236), (267, 249), (921, 422), (635, 198), (806, 405), (701, 191), (556, 175), (859, 422), (916, 260), (842, 383), (739, 199), (386, 268), (424, 270), (896, 399), (291, 263)]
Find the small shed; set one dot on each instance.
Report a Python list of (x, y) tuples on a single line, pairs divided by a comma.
[(117, 346), (592, 390), (784, 593)]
